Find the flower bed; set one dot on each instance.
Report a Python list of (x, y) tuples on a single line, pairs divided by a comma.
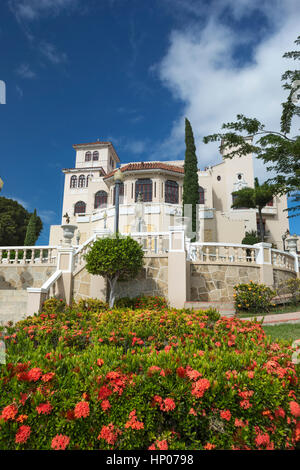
[(145, 379)]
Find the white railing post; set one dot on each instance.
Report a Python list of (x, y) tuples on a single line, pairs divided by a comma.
[(264, 259)]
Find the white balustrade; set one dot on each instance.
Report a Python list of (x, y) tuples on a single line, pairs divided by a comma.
[(209, 252), (152, 242), (282, 259), (29, 255)]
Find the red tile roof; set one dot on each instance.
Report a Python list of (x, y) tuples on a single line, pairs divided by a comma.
[(147, 166)]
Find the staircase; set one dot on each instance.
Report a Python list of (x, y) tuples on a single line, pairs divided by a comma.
[(226, 309), (13, 304)]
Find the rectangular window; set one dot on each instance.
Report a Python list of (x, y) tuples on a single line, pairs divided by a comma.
[(143, 187)]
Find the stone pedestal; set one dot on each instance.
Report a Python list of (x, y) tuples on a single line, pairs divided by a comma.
[(291, 243)]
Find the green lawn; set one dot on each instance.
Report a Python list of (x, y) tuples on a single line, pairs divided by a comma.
[(288, 332)]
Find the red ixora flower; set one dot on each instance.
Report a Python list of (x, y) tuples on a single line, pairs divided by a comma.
[(44, 408), (34, 374), (295, 408), (161, 445), (167, 405), (200, 387), (60, 442), (209, 446), (23, 434), (9, 412), (109, 433), (225, 414), (133, 423), (82, 409), (104, 392), (262, 439), (47, 377)]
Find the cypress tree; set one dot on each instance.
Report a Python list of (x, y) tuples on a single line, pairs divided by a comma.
[(31, 237), (190, 183)]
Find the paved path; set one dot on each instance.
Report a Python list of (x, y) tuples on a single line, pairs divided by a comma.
[(277, 319)]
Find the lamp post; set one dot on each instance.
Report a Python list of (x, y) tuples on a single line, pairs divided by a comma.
[(118, 178), (284, 237), (1, 184)]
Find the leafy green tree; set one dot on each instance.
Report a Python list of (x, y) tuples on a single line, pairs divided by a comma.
[(116, 259), (31, 231), (278, 149), (255, 198), (190, 193), (14, 219)]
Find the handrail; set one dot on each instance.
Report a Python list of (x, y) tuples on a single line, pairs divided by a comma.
[(35, 247), (55, 276), (233, 245)]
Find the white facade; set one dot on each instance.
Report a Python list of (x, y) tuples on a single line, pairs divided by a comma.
[(89, 197)]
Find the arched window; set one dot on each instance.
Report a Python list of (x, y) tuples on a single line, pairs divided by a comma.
[(95, 155), (100, 199), (79, 207), (88, 156), (143, 186), (171, 192), (201, 195), (73, 181), (121, 194), (81, 181)]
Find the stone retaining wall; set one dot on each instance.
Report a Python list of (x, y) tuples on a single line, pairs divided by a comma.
[(281, 275), (153, 280), (21, 277), (82, 285), (215, 282)]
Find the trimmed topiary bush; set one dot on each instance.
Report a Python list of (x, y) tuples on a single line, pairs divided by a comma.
[(145, 379), (116, 259)]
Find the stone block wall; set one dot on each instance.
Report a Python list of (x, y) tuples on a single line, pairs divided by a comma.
[(21, 277), (81, 285), (153, 279), (215, 282), (281, 275)]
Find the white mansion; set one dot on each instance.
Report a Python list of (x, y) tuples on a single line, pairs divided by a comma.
[(89, 197)]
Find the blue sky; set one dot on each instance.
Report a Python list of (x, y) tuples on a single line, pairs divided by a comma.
[(130, 71)]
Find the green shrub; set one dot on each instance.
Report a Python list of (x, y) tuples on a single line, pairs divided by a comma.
[(253, 297), (54, 305), (144, 301), (145, 379), (291, 286), (90, 305)]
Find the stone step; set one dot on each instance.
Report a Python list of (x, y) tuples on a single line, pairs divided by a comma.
[(225, 308)]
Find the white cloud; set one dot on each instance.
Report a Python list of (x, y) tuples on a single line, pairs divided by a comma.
[(30, 10), (24, 71), (201, 71), (52, 54), (48, 216), (130, 146)]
